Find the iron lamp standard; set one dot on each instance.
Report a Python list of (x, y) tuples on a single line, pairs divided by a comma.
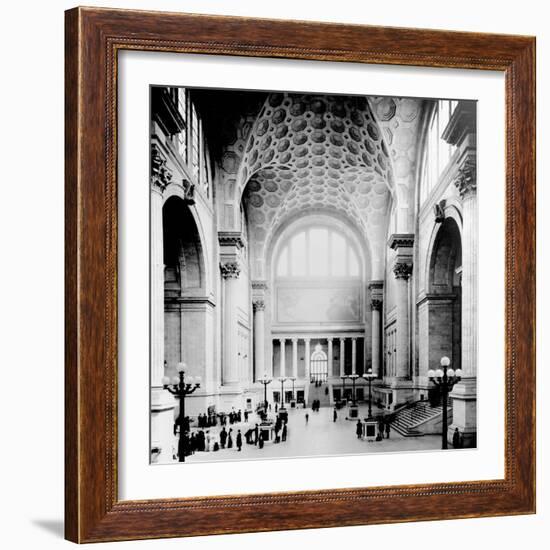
[(181, 388), (344, 378), (293, 380), (353, 378), (369, 377), (282, 380), (445, 379), (265, 381)]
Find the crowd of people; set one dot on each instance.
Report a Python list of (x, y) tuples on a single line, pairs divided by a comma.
[(203, 434)]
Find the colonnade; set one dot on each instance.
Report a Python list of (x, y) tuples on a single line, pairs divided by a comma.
[(333, 369)]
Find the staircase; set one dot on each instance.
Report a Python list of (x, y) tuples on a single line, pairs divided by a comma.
[(408, 421), (318, 393)]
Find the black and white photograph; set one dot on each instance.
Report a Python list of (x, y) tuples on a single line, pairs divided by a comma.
[(313, 274)]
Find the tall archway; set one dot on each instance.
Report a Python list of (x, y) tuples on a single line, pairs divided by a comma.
[(440, 310), (186, 305), (319, 365)]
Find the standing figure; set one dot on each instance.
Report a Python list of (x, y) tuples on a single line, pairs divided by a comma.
[(388, 429), (208, 441), (284, 432), (256, 434), (334, 415), (261, 441), (456, 439), (223, 437), (230, 439), (359, 429), (239, 440), (307, 418)]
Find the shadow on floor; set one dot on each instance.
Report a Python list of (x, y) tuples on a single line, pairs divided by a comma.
[(55, 527)]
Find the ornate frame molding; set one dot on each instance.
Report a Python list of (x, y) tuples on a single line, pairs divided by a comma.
[(93, 39)]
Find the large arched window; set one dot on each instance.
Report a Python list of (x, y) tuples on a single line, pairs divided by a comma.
[(318, 251), (437, 152)]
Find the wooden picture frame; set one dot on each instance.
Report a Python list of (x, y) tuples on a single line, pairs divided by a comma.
[(94, 37)]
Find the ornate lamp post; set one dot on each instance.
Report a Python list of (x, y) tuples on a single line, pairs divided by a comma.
[(181, 388), (369, 377), (293, 379), (445, 378), (265, 381), (344, 378), (282, 380), (353, 378)]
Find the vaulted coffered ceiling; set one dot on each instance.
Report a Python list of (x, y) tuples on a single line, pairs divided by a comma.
[(297, 153)]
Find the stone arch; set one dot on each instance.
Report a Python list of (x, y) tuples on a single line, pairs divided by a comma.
[(187, 306), (185, 270), (176, 190), (439, 311), (323, 152)]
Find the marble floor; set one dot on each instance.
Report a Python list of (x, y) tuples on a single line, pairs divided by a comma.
[(319, 436)]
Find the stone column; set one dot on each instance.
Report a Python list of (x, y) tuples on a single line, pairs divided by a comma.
[(261, 352), (402, 269), (330, 354), (376, 294), (342, 356), (295, 357), (464, 393), (231, 244), (259, 337), (282, 368), (308, 356), (230, 273), (157, 287), (402, 273), (162, 402), (354, 356)]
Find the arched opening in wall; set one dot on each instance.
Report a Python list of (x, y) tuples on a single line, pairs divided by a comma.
[(440, 311), (319, 365), (185, 303)]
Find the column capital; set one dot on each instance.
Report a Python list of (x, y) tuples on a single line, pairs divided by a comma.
[(258, 305), (230, 270), (161, 175), (282, 340), (376, 304), (466, 179), (402, 270), (330, 338)]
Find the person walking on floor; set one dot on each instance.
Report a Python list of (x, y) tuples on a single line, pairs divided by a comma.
[(359, 429), (284, 432), (307, 418), (230, 439), (256, 434), (223, 437), (334, 415), (239, 441), (261, 441), (388, 429)]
